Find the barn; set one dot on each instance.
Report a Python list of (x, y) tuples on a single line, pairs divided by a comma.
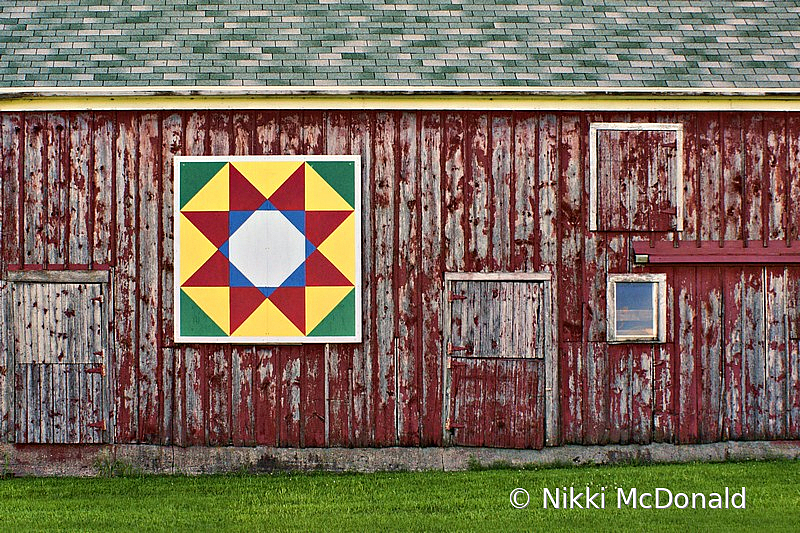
[(376, 235)]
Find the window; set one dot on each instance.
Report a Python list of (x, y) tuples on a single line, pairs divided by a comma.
[(637, 308), (635, 177)]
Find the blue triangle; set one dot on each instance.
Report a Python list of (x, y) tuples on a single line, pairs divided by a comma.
[(296, 278), (309, 248), (236, 219), (226, 252), (267, 291), (267, 206), (237, 279), (297, 218)]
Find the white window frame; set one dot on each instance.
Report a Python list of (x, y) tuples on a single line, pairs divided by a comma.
[(597, 127), (659, 308)]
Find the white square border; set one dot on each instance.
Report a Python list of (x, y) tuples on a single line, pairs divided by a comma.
[(186, 339)]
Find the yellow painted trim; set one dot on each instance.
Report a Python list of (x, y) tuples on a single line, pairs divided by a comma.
[(626, 102)]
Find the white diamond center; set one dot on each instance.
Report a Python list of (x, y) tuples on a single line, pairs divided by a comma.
[(267, 248)]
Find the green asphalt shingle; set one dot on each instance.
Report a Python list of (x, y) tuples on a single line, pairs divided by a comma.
[(565, 43)]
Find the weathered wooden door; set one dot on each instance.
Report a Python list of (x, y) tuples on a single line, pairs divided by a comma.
[(58, 338), (497, 336)]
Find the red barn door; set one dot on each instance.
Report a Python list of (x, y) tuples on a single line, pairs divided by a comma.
[(495, 346)]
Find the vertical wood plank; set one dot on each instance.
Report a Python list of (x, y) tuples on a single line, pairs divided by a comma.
[(454, 200), (777, 350), (734, 420), (13, 133), (753, 180), (477, 193), (77, 184), (776, 163), (431, 182), (686, 327), (406, 277), (148, 278), (793, 351), (709, 176), (172, 144), (710, 314), (126, 155), (102, 188), (361, 134), (793, 182), (733, 177), (547, 187), (34, 200), (55, 169), (753, 352), (265, 397), (525, 193), (502, 222), (384, 168)]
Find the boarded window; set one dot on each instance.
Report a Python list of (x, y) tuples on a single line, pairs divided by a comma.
[(637, 308), (58, 337), (636, 177)]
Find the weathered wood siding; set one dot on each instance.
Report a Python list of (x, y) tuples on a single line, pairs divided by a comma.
[(443, 191)]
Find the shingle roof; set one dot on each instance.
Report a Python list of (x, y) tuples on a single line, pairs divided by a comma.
[(476, 43)]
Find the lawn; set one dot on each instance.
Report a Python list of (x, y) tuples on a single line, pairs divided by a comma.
[(432, 501)]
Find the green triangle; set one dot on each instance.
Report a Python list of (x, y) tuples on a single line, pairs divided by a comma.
[(195, 175), (195, 322), (341, 322), (340, 175)]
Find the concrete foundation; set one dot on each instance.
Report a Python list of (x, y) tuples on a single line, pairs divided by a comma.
[(92, 460)]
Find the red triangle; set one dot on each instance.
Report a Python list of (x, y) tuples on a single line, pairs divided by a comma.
[(243, 195), (212, 224), (320, 272), (244, 300), (213, 273), (291, 301), (291, 195), (320, 224)]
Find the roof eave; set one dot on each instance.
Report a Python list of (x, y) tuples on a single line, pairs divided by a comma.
[(388, 91)]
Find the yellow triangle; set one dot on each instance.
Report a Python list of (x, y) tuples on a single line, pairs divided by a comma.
[(215, 302), (320, 196), (256, 324), (340, 248), (267, 176), (320, 301), (214, 196), (277, 323), (195, 249)]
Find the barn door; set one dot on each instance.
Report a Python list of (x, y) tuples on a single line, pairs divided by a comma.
[(58, 337), (496, 340)]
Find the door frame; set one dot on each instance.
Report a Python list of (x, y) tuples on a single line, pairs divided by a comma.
[(88, 277), (551, 412)]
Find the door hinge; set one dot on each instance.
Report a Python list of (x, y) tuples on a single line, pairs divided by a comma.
[(100, 369), (453, 297), (451, 363), (450, 426), (451, 349), (100, 426)]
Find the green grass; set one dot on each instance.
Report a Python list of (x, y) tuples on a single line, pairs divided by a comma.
[(433, 501)]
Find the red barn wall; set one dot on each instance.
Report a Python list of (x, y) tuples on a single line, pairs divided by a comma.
[(442, 191)]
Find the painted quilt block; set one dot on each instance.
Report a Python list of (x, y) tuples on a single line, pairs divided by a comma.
[(267, 249)]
